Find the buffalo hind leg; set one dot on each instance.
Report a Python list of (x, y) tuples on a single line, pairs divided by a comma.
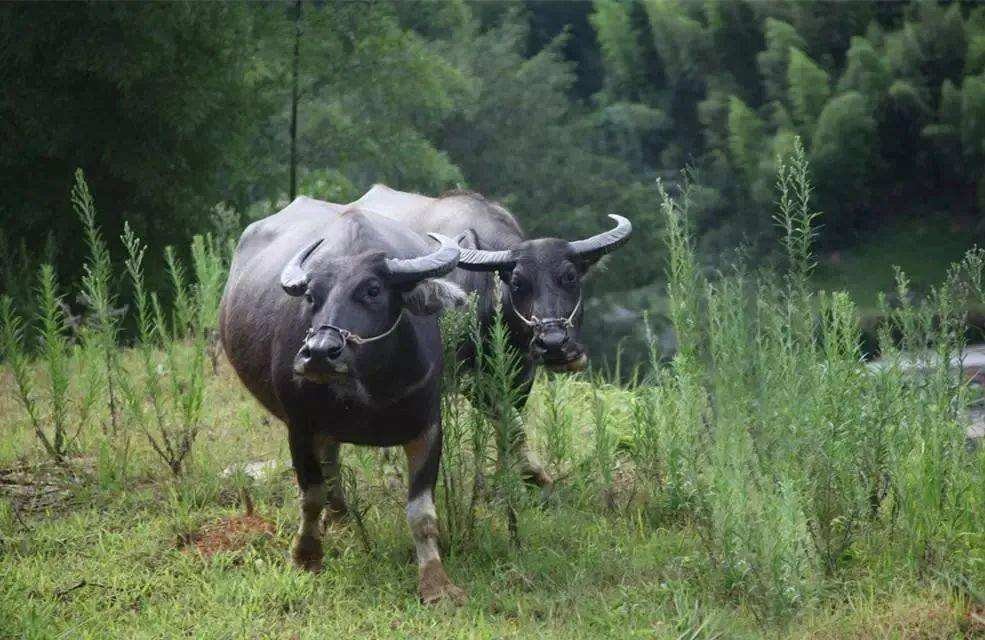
[(336, 510), (530, 467), (510, 430), (307, 551), (423, 458)]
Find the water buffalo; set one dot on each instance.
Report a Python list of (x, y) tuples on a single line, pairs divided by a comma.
[(541, 295), (314, 321)]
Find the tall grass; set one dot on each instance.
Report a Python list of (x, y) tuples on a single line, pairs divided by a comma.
[(769, 439), (101, 333), (466, 435), (167, 401), (48, 410), (474, 429), (790, 455)]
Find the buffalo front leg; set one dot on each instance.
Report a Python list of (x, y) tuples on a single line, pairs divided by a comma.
[(336, 510), (307, 550), (423, 458)]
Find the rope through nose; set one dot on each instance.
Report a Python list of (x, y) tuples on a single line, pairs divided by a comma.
[(348, 336), (539, 323)]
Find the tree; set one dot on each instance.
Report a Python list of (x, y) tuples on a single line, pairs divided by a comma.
[(371, 92), (154, 101), (621, 55), (774, 61), (865, 71), (843, 158), (809, 89), (746, 136)]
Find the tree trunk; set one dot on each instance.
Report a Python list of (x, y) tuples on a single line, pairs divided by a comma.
[(294, 102)]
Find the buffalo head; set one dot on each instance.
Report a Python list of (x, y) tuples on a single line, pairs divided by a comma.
[(543, 279), (354, 304)]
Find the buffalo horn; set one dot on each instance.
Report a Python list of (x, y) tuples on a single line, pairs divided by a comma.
[(591, 249), (293, 278), (438, 263), (479, 260)]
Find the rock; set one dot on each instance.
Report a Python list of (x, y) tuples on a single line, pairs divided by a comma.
[(258, 469)]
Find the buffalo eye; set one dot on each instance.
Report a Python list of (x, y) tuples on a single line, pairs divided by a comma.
[(373, 291), (517, 284), (308, 297), (569, 277)]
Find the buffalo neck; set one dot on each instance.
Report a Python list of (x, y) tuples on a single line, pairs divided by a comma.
[(402, 365)]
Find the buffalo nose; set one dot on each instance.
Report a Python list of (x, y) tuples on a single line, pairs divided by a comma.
[(324, 346), (551, 341)]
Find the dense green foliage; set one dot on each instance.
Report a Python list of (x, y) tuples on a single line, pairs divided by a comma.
[(158, 103), (886, 97), (171, 109), (564, 111)]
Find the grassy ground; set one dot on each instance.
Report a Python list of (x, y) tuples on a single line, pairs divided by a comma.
[(923, 248), (765, 484), (101, 560)]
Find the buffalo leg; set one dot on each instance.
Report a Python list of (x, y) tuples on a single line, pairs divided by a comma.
[(531, 467), (307, 551), (336, 509), (423, 458), (510, 431)]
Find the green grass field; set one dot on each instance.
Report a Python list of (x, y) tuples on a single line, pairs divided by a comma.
[(100, 560), (923, 248), (766, 484)]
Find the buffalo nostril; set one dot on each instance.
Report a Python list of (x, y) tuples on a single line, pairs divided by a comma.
[(333, 352)]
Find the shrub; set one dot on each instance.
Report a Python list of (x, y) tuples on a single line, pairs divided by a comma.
[(174, 388), (49, 413)]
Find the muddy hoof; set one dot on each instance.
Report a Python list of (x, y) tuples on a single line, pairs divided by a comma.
[(307, 553), (536, 477), (435, 586), (533, 471)]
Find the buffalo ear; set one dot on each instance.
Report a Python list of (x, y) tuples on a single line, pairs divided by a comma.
[(467, 239), (432, 296)]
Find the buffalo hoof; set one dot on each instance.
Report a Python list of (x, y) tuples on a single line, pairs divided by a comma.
[(307, 553), (533, 474), (435, 586)]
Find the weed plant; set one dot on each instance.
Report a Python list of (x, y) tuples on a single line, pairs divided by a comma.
[(48, 410)]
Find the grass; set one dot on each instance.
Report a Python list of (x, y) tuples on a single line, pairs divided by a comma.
[(766, 483), (581, 572), (922, 247)]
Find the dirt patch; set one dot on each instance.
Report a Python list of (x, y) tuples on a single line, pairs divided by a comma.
[(42, 487), (974, 624), (229, 534)]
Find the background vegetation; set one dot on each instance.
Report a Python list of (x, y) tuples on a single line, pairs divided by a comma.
[(180, 114)]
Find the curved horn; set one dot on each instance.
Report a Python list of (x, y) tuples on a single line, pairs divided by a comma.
[(293, 278), (437, 263), (591, 249), (479, 260)]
